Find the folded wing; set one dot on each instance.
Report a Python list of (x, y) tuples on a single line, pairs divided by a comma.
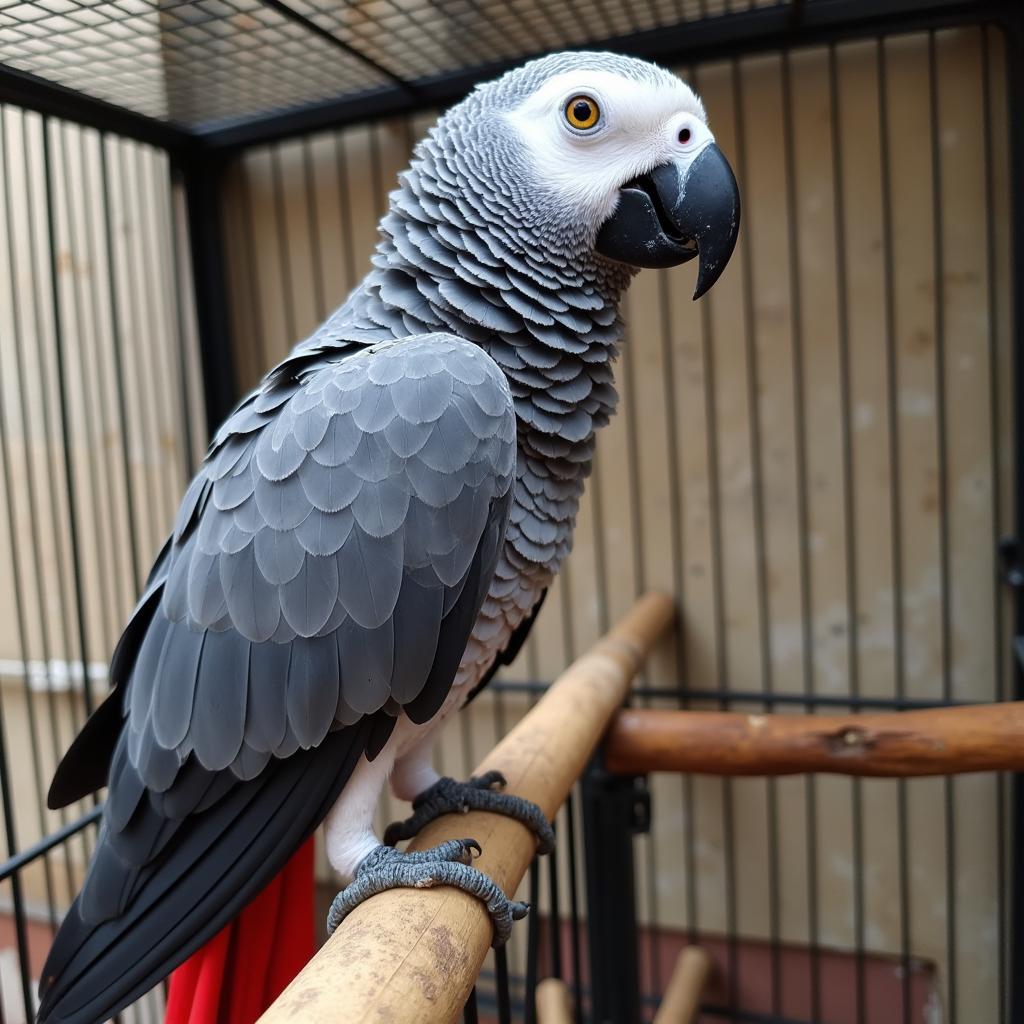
[(325, 571)]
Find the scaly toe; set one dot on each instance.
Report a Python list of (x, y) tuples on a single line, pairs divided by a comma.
[(480, 793), (448, 864)]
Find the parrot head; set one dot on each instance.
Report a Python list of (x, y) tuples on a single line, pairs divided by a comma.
[(599, 156)]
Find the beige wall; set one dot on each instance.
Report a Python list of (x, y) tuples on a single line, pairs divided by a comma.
[(815, 460)]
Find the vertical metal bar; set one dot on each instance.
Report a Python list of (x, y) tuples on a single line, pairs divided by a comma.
[(938, 271), (635, 478), (895, 511), (175, 474), (802, 527), (758, 504), (849, 533), (377, 186), (17, 896), (174, 244), (166, 491), (118, 344), (13, 539), (732, 938), (252, 275), (6, 795), (313, 221), (1015, 127), (554, 916), (92, 187), (65, 398), (203, 181), (470, 1014), (41, 367), (345, 209), (93, 428), (995, 470), (501, 985), (283, 250), (677, 555), (532, 946), (609, 822), (715, 496), (141, 388), (718, 564), (574, 908)]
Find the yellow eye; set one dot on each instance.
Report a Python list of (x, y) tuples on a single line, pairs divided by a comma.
[(582, 112)]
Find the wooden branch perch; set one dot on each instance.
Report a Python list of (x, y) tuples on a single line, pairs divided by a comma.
[(412, 955), (940, 741), (681, 1002)]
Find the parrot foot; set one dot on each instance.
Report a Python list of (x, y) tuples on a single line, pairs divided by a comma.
[(448, 864), (479, 793)]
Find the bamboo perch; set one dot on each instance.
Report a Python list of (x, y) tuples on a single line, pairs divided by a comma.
[(681, 1002), (412, 955), (940, 741)]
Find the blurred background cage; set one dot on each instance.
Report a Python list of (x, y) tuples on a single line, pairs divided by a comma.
[(821, 460)]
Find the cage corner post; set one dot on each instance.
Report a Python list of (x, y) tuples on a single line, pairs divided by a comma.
[(616, 808), (1012, 24), (202, 175)]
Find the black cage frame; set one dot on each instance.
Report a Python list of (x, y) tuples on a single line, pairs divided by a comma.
[(199, 159)]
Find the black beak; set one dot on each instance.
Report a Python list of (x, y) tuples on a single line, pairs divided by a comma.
[(669, 215)]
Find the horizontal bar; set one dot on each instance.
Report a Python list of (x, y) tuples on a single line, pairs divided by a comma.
[(412, 955), (762, 697), (758, 30), (47, 843), (30, 92), (53, 676), (941, 741)]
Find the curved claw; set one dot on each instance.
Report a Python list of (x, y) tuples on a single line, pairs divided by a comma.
[(489, 780), (479, 793), (448, 864)]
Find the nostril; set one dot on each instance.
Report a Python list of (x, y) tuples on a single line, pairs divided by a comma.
[(685, 135)]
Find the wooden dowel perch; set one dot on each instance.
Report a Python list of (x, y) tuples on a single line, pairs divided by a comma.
[(412, 955), (554, 1002), (681, 1001), (940, 741)]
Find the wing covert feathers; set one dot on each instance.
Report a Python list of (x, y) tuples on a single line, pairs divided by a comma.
[(326, 567)]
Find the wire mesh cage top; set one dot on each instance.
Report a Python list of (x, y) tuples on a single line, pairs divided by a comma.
[(204, 63)]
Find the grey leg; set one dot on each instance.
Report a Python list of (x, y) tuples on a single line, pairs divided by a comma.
[(480, 793), (448, 864)]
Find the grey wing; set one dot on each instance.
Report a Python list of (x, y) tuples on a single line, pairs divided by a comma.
[(326, 569), (330, 562)]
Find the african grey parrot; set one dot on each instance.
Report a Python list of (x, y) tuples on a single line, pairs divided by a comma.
[(374, 526)]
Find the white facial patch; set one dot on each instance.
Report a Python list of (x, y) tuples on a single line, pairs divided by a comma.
[(642, 124)]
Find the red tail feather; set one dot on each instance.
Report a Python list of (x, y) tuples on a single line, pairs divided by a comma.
[(244, 968)]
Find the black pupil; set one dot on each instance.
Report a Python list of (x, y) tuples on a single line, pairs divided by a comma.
[(684, 135), (581, 110)]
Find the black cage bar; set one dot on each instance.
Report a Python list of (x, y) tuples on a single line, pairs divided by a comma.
[(162, 101)]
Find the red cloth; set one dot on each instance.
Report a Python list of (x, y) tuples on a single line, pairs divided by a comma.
[(247, 965)]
